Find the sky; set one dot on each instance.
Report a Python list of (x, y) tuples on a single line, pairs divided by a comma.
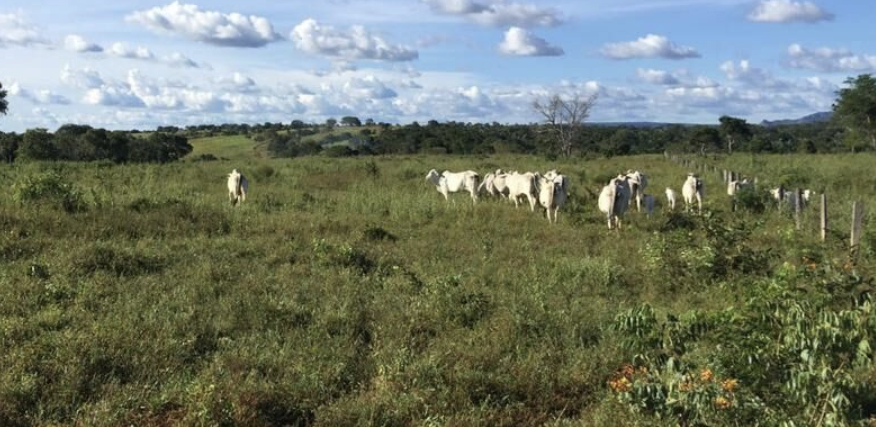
[(139, 64)]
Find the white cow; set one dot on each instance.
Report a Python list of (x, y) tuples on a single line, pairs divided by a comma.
[(237, 187), (734, 187), (522, 184), (670, 198), (453, 182), (553, 190), (638, 183), (614, 200), (494, 184), (648, 202), (693, 189), (790, 197)]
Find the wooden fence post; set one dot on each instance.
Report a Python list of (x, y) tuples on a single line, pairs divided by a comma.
[(781, 195), (798, 208), (857, 221), (823, 217)]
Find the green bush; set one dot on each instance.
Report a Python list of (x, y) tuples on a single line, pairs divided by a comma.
[(49, 189)]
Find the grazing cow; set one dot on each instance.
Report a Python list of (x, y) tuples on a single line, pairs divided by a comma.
[(552, 193), (790, 197), (734, 187), (494, 184), (638, 183), (693, 189), (453, 182), (648, 202), (670, 198), (522, 184), (237, 187), (614, 200)]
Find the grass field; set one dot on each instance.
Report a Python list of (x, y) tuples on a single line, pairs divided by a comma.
[(347, 292), (236, 147)]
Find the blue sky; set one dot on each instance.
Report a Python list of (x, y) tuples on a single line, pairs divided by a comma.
[(140, 64)]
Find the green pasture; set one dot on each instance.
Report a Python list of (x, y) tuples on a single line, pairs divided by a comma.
[(347, 292)]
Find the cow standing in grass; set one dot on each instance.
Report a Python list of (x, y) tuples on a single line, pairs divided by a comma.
[(614, 200), (670, 198), (523, 185), (638, 183), (237, 187), (693, 189), (452, 182), (552, 193)]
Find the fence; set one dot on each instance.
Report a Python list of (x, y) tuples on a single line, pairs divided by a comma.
[(729, 176)]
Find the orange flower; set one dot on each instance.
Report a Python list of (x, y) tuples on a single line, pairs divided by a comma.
[(721, 402), (628, 371), (729, 385), (685, 387), (706, 375)]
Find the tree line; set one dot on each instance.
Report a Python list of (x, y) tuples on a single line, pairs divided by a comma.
[(84, 143)]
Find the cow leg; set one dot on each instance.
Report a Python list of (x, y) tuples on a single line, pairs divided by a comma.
[(531, 202)]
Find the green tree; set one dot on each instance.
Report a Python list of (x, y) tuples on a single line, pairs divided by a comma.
[(855, 108), (734, 130), (330, 124), (4, 104), (8, 146), (38, 144), (705, 138), (351, 121)]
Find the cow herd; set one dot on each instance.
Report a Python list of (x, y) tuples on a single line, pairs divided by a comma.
[(551, 190)]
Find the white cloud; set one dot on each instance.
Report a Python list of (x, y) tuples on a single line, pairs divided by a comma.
[(41, 97), (220, 29), (355, 43), (650, 46), (77, 43), (368, 87), (498, 14), (82, 79), (176, 59), (751, 75), (829, 60), (15, 30), (238, 82), (179, 60), (114, 96), (520, 42), (784, 11), (121, 50), (656, 77)]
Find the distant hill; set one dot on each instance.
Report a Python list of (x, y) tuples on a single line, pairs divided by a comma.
[(812, 118), (644, 125)]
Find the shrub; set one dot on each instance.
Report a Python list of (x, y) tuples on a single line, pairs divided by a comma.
[(751, 200), (338, 151), (49, 188)]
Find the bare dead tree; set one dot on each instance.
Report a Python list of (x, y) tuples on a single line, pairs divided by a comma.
[(564, 117)]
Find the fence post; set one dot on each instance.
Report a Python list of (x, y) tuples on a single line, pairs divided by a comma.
[(798, 207), (781, 195), (857, 220), (725, 176), (823, 217)]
